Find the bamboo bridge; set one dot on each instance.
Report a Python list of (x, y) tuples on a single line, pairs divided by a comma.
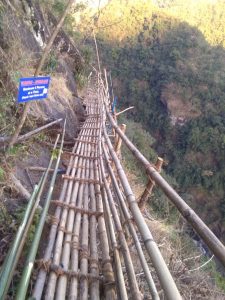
[(96, 219)]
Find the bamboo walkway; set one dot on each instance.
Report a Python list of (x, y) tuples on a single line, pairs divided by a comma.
[(98, 240), (88, 254)]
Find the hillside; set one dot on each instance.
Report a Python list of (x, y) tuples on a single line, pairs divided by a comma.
[(82, 222), (169, 63)]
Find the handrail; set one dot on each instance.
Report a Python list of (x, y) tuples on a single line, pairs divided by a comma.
[(193, 219), (158, 262)]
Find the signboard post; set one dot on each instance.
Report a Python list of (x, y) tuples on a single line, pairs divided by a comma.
[(33, 88)]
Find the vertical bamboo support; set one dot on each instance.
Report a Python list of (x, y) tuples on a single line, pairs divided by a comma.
[(150, 185), (118, 140)]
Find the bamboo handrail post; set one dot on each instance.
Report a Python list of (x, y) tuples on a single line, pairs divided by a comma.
[(150, 185), (118, 140)]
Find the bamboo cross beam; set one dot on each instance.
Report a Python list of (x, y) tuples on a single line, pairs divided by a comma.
[(84, 180), (123, 111), (149, 187)]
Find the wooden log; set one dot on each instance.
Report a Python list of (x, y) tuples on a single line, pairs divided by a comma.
[(19, 187)]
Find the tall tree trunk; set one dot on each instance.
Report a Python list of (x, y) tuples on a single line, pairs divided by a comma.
[(38, 70)]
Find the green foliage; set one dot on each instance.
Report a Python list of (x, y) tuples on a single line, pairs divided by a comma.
[(2, 174), (159, 60), (17, 150), (81, 80), (141, 139), (6, 111), (52, 63), (18, 215), (82, 69)]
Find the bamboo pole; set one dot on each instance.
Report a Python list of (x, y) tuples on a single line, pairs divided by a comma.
[(118, 140), (106, 263), (80, 233), (10, 262), (94, 266), (114, 245), (84, 240), (128, 220), (64, 196), (26, 136), (163, 273), (24, 282), (150, 185), (125, 250), (20, 239), (124, 110), (71, 198), (193, 219)]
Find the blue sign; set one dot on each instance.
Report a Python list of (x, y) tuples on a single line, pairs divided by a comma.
[(33, 88)]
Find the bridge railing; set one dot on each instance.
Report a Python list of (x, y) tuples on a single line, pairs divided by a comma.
[(214, 244)]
